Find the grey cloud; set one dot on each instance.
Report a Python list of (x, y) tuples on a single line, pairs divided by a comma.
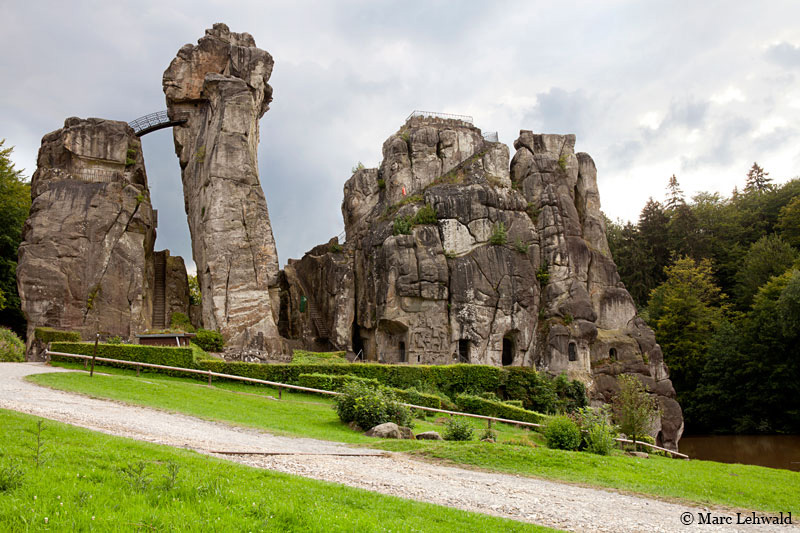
[(687, 113), (784, 54)]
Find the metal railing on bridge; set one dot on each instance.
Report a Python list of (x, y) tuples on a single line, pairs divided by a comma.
[(152, 122)]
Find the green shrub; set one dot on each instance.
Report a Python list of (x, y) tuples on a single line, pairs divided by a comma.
[(489, 435), (571, 394), (48, 335), (209, 340), (520, 246), (158, 355), (381, 184), (597, 431), (12, 349), (562, 433), (332, 383), (181, 322), (481, 406), (402, 225), (369, 407), (335, 248), (499, 234), (457, 428), (513, 403), (425, 215), (116, 339), (543, 274)]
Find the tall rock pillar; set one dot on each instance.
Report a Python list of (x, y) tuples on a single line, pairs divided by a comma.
[(220, 88), (86, 259)]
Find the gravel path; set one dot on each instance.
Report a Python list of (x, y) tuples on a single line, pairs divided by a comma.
[(542, 502)]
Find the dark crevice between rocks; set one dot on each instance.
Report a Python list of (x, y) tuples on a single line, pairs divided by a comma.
[(227, 286)]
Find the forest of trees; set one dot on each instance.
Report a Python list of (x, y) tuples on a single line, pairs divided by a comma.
[(15, 203), (718, 279)]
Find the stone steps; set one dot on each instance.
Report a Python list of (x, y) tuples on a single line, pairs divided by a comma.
[(322, 329)]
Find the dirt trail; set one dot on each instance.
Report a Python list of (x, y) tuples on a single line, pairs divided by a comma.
[(547, 503)]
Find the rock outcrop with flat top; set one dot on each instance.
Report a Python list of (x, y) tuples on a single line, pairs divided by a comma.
[(454, 254), (86, 263), (219, 86)]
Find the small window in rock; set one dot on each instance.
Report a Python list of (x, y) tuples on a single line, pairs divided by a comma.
[(508, 352), (463, 351), (402, 352), (612, 354), (573, 352)]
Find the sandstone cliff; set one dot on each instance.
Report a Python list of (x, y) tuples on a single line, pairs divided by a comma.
[(85, 262), (454, 254), (219, 86)]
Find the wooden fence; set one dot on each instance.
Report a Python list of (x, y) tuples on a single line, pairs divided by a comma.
[(281, 386)]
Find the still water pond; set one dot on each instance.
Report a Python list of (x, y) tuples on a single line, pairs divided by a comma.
[(776, 451)]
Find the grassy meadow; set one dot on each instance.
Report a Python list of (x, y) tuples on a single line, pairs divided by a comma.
[(518, 451)]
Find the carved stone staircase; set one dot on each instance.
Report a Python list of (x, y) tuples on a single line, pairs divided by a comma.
[(159, 290), (322, 329)]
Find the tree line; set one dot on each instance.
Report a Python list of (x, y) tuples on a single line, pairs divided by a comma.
[(718, 279)]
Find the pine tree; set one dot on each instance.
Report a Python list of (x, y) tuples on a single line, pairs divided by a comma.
[(674, 194), (757, 180)]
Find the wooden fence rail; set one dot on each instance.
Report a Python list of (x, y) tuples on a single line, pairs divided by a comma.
[(281, 386)]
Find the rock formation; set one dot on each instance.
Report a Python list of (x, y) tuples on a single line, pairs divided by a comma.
[(220, 88), (453, 254), (85, 262)]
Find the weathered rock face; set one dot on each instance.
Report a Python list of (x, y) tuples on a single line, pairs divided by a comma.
[(514, 269), (86, 262), (220, 87), (176, 286)]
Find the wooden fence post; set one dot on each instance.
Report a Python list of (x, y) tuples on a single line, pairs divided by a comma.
[(94, 354)]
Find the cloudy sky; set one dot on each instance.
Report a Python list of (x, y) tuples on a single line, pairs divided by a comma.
[(699, 89)]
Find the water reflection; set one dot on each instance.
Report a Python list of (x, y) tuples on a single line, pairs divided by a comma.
[(775, 451)]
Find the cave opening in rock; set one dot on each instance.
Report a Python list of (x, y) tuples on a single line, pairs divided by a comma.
[(508, 351), (358, 343), (573, 352), (463, 351), (612, 354), (402, 350)]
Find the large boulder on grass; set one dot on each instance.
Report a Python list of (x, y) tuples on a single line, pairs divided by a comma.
[(429, 435), (390, 430)]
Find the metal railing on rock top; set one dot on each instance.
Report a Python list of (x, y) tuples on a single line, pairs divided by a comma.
[(435, 114), (281, 386)]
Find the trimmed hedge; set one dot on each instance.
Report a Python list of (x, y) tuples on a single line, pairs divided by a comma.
[(332, 383), (48, 335), (157, 355), (414, 397), (481, 406), (536, 391)]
